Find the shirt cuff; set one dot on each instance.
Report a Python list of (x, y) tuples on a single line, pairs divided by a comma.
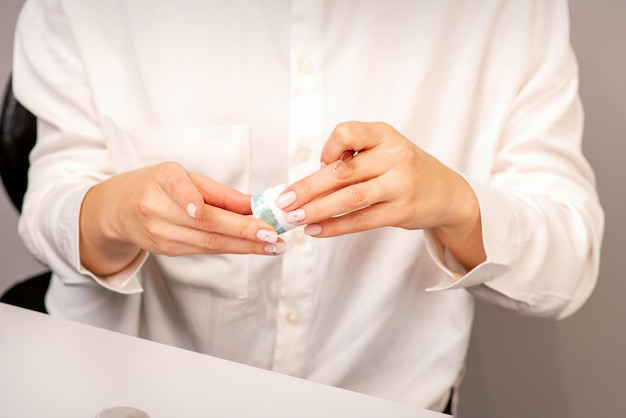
[(500, 227), (126, 281)]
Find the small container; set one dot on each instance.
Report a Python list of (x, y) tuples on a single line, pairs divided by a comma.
[(122, 412), (264, 208)]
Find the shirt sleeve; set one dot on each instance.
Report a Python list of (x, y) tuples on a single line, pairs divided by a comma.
[(70, 155), (541, 217)]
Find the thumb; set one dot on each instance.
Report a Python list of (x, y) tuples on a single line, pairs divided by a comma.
[(222, 196), (176, 182), (348, 138)]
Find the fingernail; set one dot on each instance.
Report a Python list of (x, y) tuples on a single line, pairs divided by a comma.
[(347, 155), (337, 165), (313, 229), (267, 235), (191, 210), (344, 158), (286, 199), (322, 164), (276, 248), (295, 216)]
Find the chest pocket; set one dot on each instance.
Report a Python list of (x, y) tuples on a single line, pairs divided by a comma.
[(221, 152)]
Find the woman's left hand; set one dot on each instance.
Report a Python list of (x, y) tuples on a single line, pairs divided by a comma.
[(374, 177)]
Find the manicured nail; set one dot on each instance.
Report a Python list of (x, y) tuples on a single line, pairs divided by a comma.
[(276, 248), (286, 199), (295, 216), (344, 158), (267, 235), (191, 210), (337, 165), (313, 229)]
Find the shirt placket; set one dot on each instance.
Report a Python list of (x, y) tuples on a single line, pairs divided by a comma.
[(305, 142)]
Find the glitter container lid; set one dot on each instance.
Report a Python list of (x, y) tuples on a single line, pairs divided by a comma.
[(264, 208), (122, 412)]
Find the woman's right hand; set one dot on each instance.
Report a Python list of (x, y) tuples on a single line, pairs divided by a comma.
[(164, 209)]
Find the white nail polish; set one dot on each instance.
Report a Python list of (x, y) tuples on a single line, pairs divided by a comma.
[(191, 210)]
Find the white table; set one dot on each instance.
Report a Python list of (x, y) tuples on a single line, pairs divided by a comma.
[(51, 367)]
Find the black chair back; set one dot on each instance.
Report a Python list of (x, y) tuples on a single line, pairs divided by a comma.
[(18, 134)]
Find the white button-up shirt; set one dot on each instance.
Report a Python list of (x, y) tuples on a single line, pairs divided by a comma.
[(245, 92)]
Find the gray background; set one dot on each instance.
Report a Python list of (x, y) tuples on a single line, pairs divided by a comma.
[(517, 366)]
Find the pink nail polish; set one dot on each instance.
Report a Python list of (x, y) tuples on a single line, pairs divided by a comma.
[(313, 229), (275, 249), (267, 235), (295, 216), (286, 199)]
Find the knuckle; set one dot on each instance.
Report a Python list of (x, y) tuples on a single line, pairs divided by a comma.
[(344, 130), (145, 207), (355, 197), (306, 186), (381, 126), (361, 222), (244, 231), (168, 167), (214, 242), (171, 175), (177, 182), (410, 153), (207, 223)]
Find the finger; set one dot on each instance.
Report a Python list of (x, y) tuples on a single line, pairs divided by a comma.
[(371, 217), (222, 196), (351, 137), (175, 182), (158, 210), (327, 180), (174, 234), (174, 240), (347, 199), (224, 222)]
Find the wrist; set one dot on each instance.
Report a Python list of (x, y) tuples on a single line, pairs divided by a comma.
[(461, 230), (103, 250)]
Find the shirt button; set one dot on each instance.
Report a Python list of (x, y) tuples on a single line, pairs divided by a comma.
[(299, 237), (304, 153), (305, 65), (293, 317)]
